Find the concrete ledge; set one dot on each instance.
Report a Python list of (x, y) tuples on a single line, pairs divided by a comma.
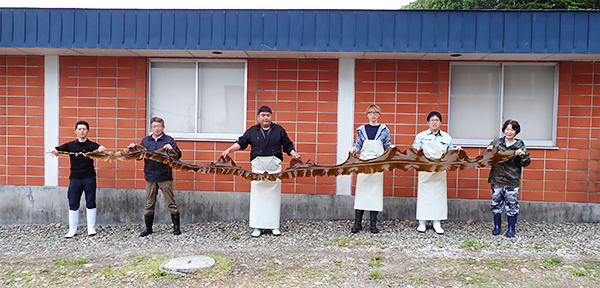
[(41, 205)]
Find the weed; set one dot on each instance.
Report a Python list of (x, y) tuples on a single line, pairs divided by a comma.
[(338, 241), (273, 275), (554, 261), (579, 272), (65, 261), (375, 275), (471, 243), (496, 263), (235, 237), (419, 279), (375, 261), (338, 262), (223, 265)]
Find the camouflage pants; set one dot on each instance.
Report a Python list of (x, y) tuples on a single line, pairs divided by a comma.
[(502, 195)]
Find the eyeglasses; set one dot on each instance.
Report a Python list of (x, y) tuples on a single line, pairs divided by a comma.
[(372, 112), (434, 120)]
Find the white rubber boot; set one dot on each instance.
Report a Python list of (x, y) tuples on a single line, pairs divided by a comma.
[(73, 222), (91, 221), (276, 232), (256, 232), (422, 226), (437, 226)]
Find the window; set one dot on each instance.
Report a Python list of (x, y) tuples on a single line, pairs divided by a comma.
[(483, 96), (199, 100)]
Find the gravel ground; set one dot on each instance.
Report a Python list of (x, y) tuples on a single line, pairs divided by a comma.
[(308, 254)]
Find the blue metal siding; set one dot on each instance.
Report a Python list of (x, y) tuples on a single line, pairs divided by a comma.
[(545, 32)]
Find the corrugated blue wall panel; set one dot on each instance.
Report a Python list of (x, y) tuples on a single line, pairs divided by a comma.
[(455, 33), (414, 32), (305, 30), (581, 36), (441, 34), (402, 27), (566, 32), (270, 30), (348, 31), (180, 29), (428, 31), (322, 29), (335, 34), (594, 39), (129, 30), (482, 34), (496, 33), (309, 31)]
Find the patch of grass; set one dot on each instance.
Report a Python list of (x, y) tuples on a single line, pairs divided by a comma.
[(337, 262), (581, 272), (468, 278), (496, 263), (273, 275), (375, 275), (235, 237), (554, 261), (319, 275), (375, 261), (472, 244), (65, 261), (419, 279), (361, 242), (338, 242), (472, 261), (223, 265)]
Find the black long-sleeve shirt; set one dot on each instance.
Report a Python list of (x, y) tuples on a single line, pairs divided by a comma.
[(81, 167), (276, 138)]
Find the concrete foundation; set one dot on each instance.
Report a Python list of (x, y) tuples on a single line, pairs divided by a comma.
[(41, 205)]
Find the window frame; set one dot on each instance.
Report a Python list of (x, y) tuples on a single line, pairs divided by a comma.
[(544, 144), (198, 136)]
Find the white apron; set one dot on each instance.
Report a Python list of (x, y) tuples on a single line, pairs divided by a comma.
[(369, 187), (265, 196), (432, 202)]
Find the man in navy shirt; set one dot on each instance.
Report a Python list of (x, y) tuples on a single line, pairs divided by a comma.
[(159, 175), (82, 178), (268, 141)]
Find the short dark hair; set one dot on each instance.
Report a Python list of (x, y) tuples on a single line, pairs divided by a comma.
[(514, 124), (82, 123), (157, 119), (434, 113), (264, 108)]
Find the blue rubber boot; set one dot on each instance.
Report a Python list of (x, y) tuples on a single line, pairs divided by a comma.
[(512, 221), (497, 223)]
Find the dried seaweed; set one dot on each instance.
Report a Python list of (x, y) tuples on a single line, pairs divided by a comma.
[(392, 159)]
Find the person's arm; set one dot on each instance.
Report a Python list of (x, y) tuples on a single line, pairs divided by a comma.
[(360, 139), (173, 146), (522, 156), (418, 142), (386, 141), (288, 145), (54, 150), (232, 148)]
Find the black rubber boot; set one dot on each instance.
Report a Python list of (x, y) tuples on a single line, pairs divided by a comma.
[(357, 221), (497, 223), (175, 218), (512, 221), (148, 219), (374, 222)]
